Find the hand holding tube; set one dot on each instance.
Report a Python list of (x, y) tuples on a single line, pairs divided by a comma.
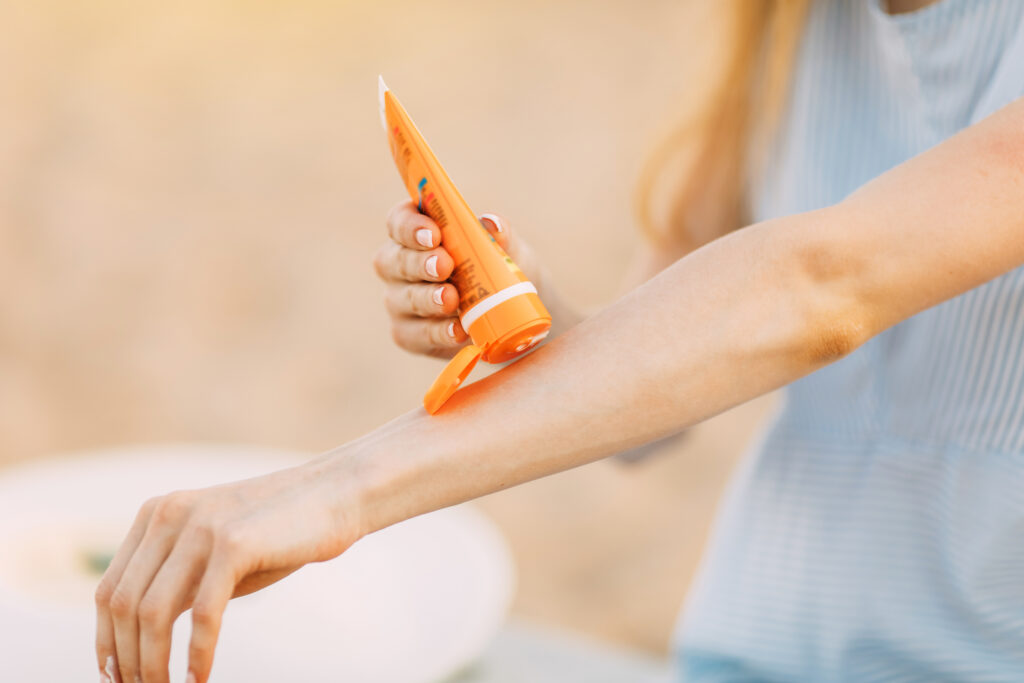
[(415, 267), (499, 308)]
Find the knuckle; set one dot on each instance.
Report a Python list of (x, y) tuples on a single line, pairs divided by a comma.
[(152, 609), (389, 304), (199, 533), (397, 336), (425, 300), (232, 540), (171, 508), (122, 603), (380, 262), (409, 300), (199, 654), (406, 234), (389, 217), (394, 214), (150, 505), (204, 614), (104, 592), (396, 210), (411, 264)]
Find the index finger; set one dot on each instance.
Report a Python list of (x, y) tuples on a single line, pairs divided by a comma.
[(105, 646), (412, 229)]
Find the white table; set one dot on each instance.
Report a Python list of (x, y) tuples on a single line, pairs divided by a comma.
[(526, 652)]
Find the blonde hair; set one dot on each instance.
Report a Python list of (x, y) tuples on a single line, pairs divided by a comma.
[(728, 133)]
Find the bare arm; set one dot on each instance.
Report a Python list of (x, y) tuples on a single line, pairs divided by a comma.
[(742, 315), (739, 317)]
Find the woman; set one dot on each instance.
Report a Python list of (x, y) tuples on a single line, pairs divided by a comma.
[(877, 531)]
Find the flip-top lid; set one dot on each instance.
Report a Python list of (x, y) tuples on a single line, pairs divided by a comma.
[(451, 377)]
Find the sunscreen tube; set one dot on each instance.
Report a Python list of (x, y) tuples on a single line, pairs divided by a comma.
[(498, 306)]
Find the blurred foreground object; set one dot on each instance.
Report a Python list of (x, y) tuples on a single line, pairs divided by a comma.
[(526, 652), (414, 603)]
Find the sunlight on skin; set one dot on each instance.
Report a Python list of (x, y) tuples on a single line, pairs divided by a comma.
[(743, 315)]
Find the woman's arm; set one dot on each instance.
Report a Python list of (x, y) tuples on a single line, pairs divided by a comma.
[(733, 320), (742, 315)]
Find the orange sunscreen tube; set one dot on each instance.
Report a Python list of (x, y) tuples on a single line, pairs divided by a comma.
[(498, 306)]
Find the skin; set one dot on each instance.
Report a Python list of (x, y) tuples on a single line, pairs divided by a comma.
[(738, 317)]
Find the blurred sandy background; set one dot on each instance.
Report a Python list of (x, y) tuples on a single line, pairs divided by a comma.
[(191, 194)]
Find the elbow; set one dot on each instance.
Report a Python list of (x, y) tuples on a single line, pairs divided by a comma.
[(832, 336), (835, 318)]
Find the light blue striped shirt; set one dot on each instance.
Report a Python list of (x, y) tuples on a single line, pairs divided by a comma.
[(876, 530)]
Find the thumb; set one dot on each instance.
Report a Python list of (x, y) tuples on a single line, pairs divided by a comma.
[(499, 229)]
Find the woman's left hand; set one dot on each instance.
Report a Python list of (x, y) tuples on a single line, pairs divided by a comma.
[(203, 547)]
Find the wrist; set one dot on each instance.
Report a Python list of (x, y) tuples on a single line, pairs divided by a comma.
[(366, 484)]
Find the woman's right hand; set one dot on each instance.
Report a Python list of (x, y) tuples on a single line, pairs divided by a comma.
[(415, 268)]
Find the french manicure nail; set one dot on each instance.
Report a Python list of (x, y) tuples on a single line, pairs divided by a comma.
[(425, 237), (438, 296), (451, 329), (191, 678), (104, 678), (110, 669), (431, 265), (494, 219)]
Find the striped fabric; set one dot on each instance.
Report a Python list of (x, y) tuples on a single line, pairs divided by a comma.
[(876, 530)]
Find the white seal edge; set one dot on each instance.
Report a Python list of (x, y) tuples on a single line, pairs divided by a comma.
[(489, 302)]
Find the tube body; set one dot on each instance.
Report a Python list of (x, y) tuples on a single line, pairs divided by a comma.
[(498, 306)]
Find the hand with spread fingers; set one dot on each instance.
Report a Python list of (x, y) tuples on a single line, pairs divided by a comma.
[(198, 549), (415, 268)]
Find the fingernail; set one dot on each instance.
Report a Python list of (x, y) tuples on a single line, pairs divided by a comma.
[(191, 678), (104, 678), (425, 237), (431, 265), (494, 219), (111, 670), (138, 678), (451, 329), (438, 296)]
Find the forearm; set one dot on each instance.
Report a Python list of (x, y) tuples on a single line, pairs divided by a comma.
[(729, 322), (740, 316)]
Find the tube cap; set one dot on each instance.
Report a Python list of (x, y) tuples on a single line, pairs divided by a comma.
[(451, 377)]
